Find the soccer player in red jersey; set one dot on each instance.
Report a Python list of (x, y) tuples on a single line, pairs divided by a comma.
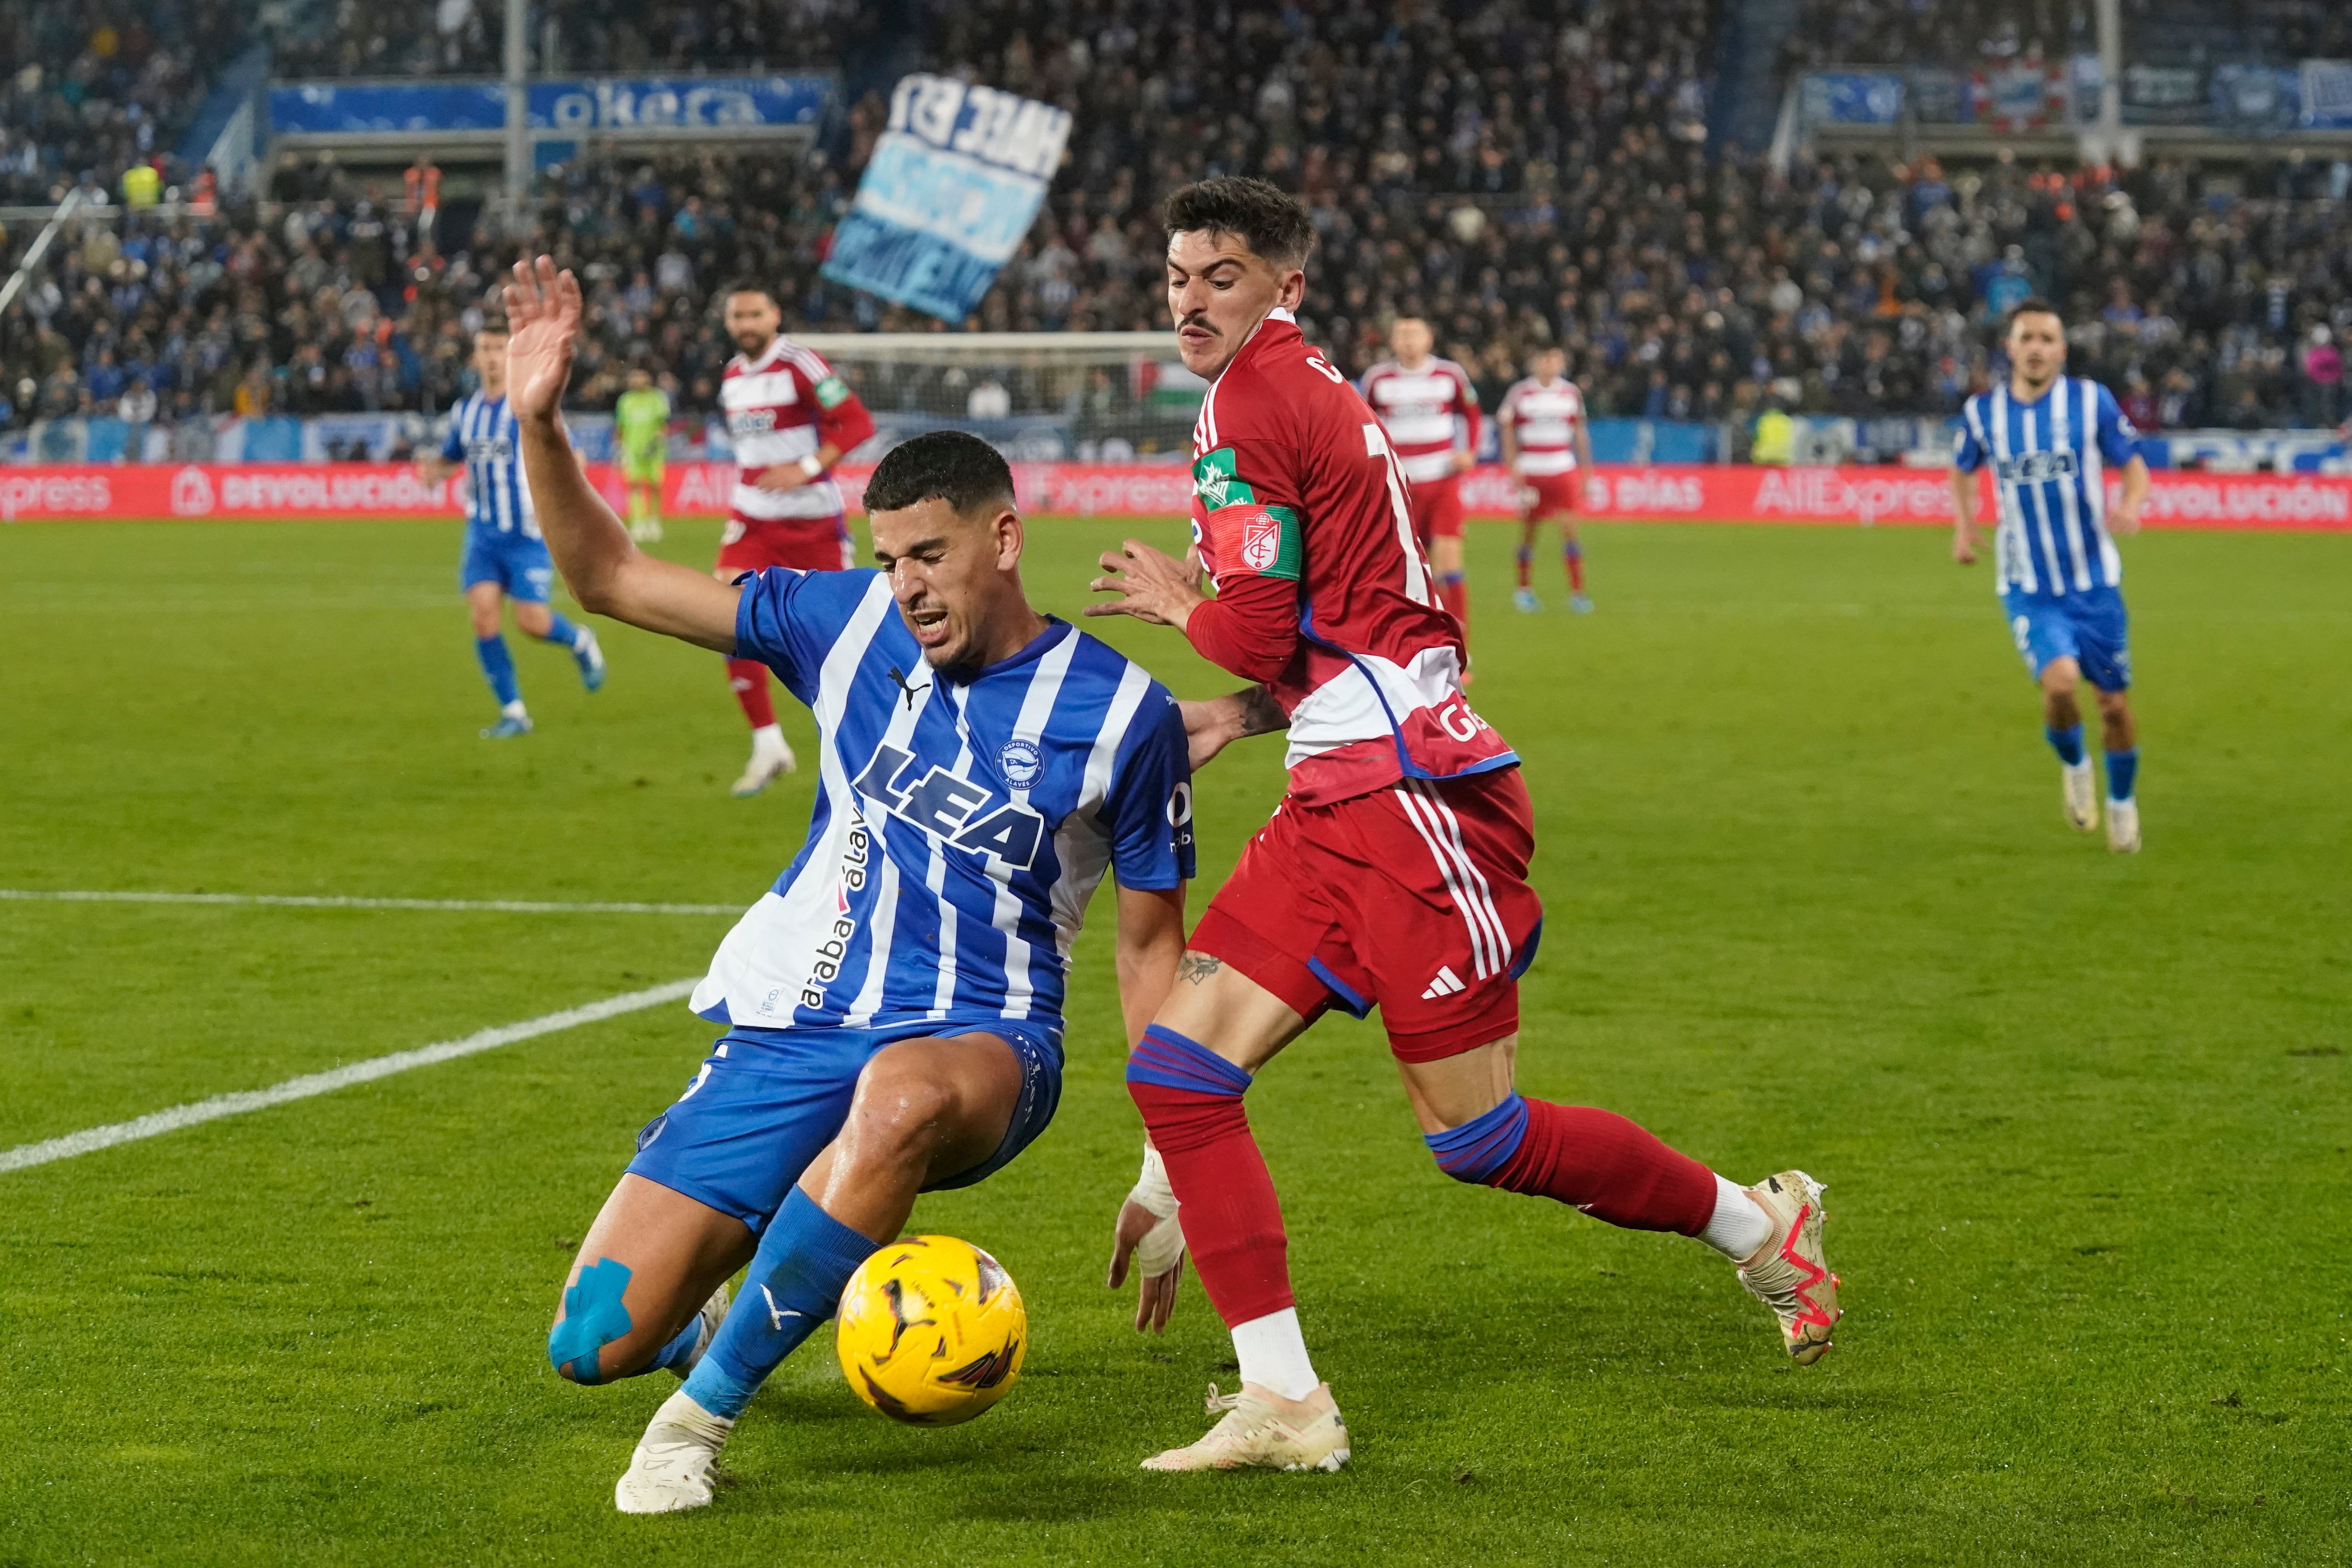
[(791, 419), (1548, 451), (1430, 411), (1394, 873)]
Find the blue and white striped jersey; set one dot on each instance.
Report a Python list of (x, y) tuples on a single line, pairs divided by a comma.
[(2049, 459), (961, 823), (482, 436)]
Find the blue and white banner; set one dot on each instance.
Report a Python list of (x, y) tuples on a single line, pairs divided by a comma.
[(954, 185), (578, 106), (2327, 95), (1852, 98)]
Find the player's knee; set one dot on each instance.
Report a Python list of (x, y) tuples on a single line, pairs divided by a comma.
[(485, 622), (594, 1316), (1476, 1150), (900, 1107)]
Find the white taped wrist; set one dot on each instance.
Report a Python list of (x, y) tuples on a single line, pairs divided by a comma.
[(1163, 1246)]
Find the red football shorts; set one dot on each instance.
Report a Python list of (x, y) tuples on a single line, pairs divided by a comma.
[(804, 544), (1551, 495), (1437, 509), (1412, 898)]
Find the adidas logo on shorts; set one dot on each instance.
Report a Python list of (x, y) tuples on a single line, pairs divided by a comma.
[(1446, 984)]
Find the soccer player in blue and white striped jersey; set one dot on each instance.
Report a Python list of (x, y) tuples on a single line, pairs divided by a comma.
[(2050, 440), (505, 557), (892, 1007)]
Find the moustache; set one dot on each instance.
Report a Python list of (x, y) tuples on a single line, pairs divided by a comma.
[(1197, 318)]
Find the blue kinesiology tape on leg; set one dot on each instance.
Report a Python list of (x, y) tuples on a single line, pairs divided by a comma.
[(795, 1283), (498, 668), (2067, 743), (593, 1317), (2123, 773)]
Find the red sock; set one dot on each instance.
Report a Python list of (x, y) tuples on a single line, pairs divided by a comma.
[(749, 677), (1607, 1166), (1233, 1221), (1575, 556), (1455, 595)]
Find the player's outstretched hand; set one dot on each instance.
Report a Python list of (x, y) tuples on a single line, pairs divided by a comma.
[(2124, 522), (542, 319), (1964, 550), (1143, 1238), (1152, 584)]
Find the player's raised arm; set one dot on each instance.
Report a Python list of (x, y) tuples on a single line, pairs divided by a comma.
[(605, 572)]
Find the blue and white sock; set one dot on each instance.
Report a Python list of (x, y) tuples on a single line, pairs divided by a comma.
[(498, 669), (2067, 743), (794, 1284), (2123, 773)]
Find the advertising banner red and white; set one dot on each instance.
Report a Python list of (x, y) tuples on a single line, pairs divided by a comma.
[(1690, 493)]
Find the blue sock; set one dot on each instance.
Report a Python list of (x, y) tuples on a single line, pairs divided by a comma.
[(2122, 772), (560, 630), (794, 1284), (2067, 743), (498, 668), (679, 1351)]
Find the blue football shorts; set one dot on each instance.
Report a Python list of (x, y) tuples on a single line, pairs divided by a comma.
[(517, 562), (2090, 629), (766, 1103)]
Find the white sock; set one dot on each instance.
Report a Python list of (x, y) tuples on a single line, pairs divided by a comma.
[(514, 709), (1273, 1354), (1740, 1225), (768, 741)]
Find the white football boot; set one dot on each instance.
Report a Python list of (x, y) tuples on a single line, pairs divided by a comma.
[(768, 764), (2081, 799), (713, 1313), (2123, 826), (1261, 1430), (1791, 1273), (671, 1469)]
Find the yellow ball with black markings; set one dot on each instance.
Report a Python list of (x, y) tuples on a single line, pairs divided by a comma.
[(931, 1331)]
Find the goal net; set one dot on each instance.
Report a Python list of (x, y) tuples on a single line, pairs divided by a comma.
[(1039, 396)]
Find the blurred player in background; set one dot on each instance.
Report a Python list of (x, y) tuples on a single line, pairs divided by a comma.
[(1394, 873), (505, 557), (791, 419), (641, 427), (1430, 411), (1548, 448), (892, 1007), (2050, 438)]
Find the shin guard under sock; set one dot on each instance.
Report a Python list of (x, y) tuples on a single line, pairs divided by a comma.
[(1592, 1159), (1455, 595), (1573, 554), (498, 668), (795, 1281), (1191, 1103)]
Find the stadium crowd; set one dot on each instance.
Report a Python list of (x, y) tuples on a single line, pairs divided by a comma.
[(1521, 174), (1959, 33)]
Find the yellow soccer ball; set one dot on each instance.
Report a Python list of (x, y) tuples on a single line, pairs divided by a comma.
[(931, 1331)]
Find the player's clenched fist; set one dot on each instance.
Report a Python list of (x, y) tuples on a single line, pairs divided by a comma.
[(542, 315)]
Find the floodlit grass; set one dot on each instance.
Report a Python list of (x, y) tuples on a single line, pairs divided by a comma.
[(2083, 1119)]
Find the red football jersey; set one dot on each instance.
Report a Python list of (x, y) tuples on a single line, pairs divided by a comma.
[(780, 409), (1429, 413), (1300, 512), (1543, 416)]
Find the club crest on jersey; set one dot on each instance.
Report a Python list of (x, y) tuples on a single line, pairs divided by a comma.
[(1262, 540), (971, 816), (1021, 763)]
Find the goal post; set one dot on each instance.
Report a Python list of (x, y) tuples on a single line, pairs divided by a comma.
[(1038, 396)]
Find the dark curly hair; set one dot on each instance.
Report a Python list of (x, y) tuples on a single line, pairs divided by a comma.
[(1274, 225)]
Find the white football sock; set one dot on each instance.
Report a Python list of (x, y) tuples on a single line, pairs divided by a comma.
[(515, 710), (1273, 1354), (1740, 1225), (768, 740)]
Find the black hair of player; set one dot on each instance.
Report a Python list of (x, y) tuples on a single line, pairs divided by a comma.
[(2032, 305), (495, 326), (1272, 224), (748, 286), (952, 466)]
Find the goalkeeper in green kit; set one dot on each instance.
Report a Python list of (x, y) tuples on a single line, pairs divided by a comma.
[(641, 424)]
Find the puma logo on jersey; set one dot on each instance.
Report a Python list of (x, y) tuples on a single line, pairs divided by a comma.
[(966, 814), (1446, 984)]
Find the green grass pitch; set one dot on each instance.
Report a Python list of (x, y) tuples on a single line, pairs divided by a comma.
[(2083, 1119)]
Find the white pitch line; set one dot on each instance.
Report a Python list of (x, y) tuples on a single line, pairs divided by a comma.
[(90, 1138), (301, 902)]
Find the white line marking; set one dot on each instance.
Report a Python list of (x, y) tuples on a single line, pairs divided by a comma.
[(90, 1138), (299, 901)]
